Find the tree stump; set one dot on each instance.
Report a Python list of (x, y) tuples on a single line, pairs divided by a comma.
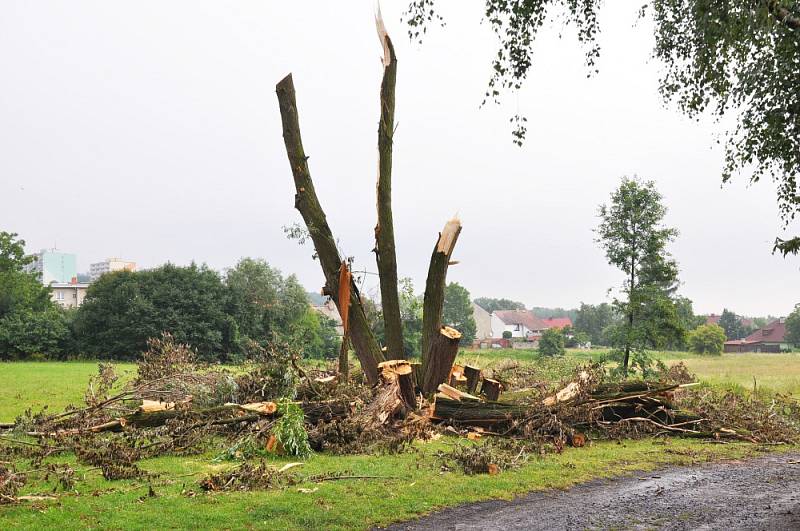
[(443, 351), (473, 375)]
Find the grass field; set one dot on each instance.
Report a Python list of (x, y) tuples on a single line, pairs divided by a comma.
[(415, 482)]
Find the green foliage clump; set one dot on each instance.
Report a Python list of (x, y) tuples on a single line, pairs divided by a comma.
[(552, 343), (507, 334), (793, 327), (290, 430), (314, 335), (707, 339), (717, 56), (124, 309), (31, 325), (457, 312), (28, 334), (491, 305)]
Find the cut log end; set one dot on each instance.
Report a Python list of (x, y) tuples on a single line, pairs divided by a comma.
[(450, 333)]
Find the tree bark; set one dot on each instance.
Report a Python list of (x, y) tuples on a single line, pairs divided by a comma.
[(306, 201), (783, 15), (491, 389), (478, 413), (385, 254), (402, 371), (433, 301), (473, 375), (443, 351)]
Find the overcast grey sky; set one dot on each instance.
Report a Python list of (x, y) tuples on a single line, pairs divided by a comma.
[(150, 130)]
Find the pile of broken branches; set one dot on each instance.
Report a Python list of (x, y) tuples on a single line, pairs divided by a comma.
[(177, 406)]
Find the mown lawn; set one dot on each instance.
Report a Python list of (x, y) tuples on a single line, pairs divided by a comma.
[(410, 484), (53, 384)]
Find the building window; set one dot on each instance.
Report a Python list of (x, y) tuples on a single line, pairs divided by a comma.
[(60, 295)]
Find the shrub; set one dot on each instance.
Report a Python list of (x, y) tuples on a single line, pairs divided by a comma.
[(27, 334), (552, 343), (707, 339), (507, 334)]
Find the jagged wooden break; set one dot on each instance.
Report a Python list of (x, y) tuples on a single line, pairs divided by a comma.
[(364, 342)]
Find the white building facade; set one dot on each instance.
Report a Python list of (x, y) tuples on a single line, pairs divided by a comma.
[(109, 265)]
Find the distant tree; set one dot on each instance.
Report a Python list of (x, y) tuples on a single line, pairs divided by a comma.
[(411, 318), (315, 335), (457, 312), (592, 320), (731, 324), (12, 252), (793, 327), (30, 323), (492, 305), (19, 291), (262, 302), (634, 240), (549, 313), (552, 343), (707, 339), (122, 310)]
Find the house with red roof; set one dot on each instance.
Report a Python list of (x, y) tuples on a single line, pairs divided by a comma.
[(558, 322), (521, 323), (771, 338)]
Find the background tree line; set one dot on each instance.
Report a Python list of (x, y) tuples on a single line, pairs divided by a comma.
[(220, 315)]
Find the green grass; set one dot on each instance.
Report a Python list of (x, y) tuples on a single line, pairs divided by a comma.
[(773, 373), (417, 485), (47, 383), (420, 487)]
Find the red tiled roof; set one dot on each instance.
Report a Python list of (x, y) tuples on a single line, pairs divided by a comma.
[(772, 333), (558, 322), (714, 319), (522, 317)]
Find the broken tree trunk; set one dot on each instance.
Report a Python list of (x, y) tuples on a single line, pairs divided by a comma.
[(491, 389), (473, 375), (307, 203), (434, 289), (402, 371), (385, 254), (443, 351), (477, 413)]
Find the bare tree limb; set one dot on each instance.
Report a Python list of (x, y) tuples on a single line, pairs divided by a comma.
[(434, 287), (306, 201), (385, 254)]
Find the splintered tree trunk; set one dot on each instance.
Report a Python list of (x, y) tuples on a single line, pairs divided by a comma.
[(473, 375), (385, 254), (491, 389), (306, 201), (444, 349), (402, 371), (434, 288)]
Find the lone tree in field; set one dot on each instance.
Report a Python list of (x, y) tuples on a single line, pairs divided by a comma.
[(634, 240), (718, 56), (438, 344)]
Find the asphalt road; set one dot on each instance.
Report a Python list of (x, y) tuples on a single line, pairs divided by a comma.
[(757, 494)]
